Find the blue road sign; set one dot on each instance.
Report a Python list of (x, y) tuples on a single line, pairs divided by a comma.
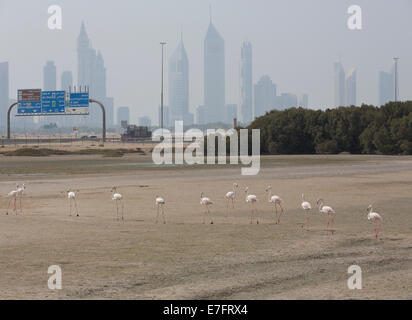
[(29, 101), (52, 102), (78, 103)]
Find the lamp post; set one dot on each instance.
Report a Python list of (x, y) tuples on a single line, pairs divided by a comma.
[(161, 92)]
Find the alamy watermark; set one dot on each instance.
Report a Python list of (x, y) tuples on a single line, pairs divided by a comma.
[(55, 280), (355, 280), (173, 145)]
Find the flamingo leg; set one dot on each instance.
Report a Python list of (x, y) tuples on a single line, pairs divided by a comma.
[(15, 208), (75, 206), (163, 213), (121, 203), (21, 208), (251, 214), (257, 215), (375, 232), (307, 220), (233, 203), (70, 207), (8, 207), (157, 215), (276, 214), (327, 226), (117, 210), (281, 211)]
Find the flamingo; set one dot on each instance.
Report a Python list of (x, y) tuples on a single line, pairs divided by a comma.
[(325, 209), (117, 197), (377, 219), (277, 201), (307, 207), (19, 194), (251, 198), (71, 196), (160, 203), (204, 201), (13, 195), (231, 195)]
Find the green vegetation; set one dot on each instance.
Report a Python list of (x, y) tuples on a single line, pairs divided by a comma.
[(357, 130)]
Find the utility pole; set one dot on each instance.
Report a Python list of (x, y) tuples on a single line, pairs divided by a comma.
[(161, 93), (395, 60)]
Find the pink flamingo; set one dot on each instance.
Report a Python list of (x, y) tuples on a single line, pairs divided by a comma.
[(328, 210), (377, 219), (277, 201), (160, 203), (230, 196), (13, 195), (251, 198), (204, 201), (306, 206)]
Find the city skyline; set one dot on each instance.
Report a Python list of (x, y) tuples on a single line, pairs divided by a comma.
[(289, 68)]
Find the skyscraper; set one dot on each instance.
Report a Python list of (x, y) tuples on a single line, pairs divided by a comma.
[(200, 115), (66, 80), (351, 87), (179, 84), (123, 114), (339, 84), (304, 100), (246, 110), (386, 85), (265, 95), (214, 75), (231, 113), (4, 92), (49, 76), (91, 72)]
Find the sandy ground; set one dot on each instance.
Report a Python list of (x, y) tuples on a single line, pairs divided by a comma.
[(102, 258)]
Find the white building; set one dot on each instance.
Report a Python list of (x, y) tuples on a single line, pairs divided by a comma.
[(350, 84), (265, 96)]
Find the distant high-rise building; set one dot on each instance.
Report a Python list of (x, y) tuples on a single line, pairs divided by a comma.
[(231, 113), (123, 114), (386, 85), (246, 108), (304, 101), (179, 85), (49, 76), (91, 72), (339, 84), (4, 93), (265, 95), (145, 121), (66, 81), (351, 87), (214, 75), (289, 100), (200, 115)]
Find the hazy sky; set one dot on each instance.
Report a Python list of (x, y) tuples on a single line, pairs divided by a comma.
[(295, 42)]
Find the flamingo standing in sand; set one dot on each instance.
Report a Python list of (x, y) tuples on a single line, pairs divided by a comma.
[(13, 195), (252, 199), (377, 219), (160, 203), (230, 196), (71, 196), (277, 201), (328, 210), (117, 197), (204, 201), (307, 207)]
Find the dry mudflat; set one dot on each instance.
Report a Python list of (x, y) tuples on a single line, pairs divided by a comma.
[(102, 258)]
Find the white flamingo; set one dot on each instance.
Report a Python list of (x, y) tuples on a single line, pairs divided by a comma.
[(160, 203), (71, 196), (20, 193), (327, 210), (252, 199), (306, 206), (377, 219), (204, 201), (277, 201), (13, 195), (230, 196), (117, 197)]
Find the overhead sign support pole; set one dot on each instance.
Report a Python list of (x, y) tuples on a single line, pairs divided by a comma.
[(104, 117), (8, 119)]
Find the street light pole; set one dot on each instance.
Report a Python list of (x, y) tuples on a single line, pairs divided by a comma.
[(396, 78), (161, 93)]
